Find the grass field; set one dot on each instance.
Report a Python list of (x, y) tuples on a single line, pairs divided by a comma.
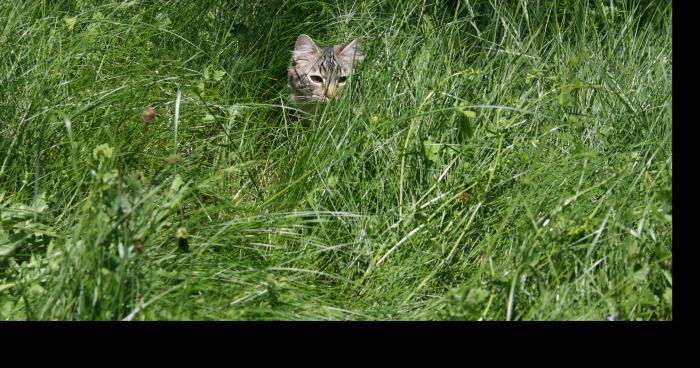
[(490, 160)]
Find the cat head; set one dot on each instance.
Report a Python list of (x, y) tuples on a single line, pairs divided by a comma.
[(317, 74)]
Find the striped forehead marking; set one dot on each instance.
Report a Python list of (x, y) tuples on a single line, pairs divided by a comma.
[(328, 60)]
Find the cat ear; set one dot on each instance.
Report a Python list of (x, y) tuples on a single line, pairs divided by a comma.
[(305, 45), (348, 52)]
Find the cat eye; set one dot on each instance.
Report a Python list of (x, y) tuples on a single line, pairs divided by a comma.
[(316, 79), (342, 79)]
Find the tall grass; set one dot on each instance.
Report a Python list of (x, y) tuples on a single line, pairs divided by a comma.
[(488, 161)]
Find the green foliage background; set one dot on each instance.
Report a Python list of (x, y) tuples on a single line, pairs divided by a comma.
[(489, 161)]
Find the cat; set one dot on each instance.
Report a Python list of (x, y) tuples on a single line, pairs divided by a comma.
[(317, 74)]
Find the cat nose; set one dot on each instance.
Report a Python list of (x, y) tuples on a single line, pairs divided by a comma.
[(330, 90)]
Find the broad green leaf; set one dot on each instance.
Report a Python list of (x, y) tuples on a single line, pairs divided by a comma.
[(464, 124), (431, 150), (70, 22), (208, 118), (476, 296), (218, 75), (641, 275), (332, 181)]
